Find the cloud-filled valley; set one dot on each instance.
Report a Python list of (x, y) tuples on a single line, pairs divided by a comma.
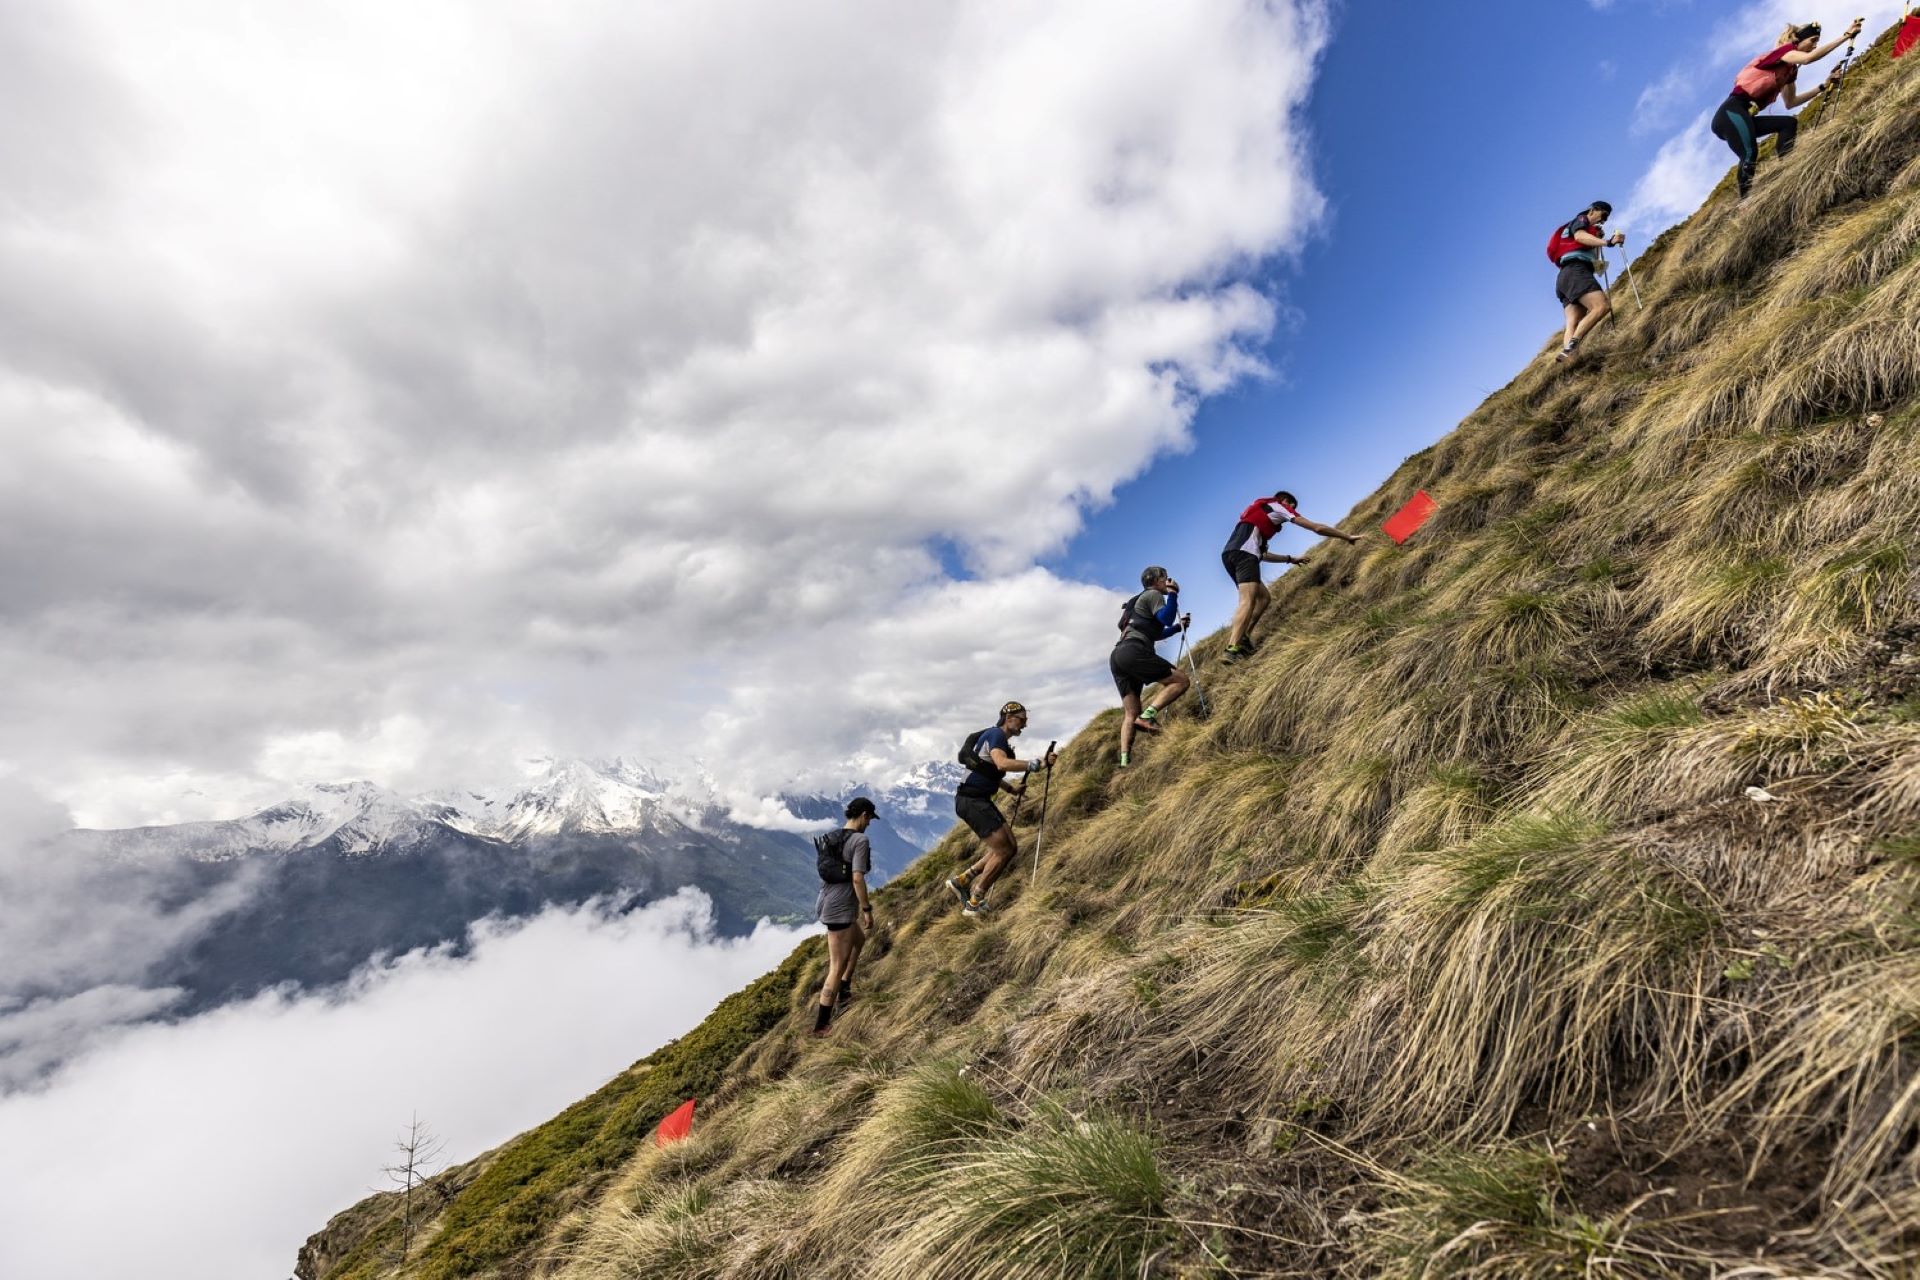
[(217, 1143)]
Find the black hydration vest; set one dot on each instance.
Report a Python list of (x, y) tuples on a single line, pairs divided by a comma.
[(830, 857)]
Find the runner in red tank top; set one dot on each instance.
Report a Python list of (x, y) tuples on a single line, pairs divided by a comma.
[(1246, 551)]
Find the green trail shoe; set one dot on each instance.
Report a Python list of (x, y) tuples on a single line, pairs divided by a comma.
[(1234, 653)]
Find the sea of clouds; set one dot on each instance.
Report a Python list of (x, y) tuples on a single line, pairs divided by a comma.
[(212, 1147)]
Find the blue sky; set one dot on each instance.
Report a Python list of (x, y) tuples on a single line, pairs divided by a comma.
[(1446, 161)]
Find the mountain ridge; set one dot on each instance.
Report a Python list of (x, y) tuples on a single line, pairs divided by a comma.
[(341, 873), (569, 796)]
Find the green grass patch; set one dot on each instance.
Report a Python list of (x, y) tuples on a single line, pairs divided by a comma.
[(1078, 1195), (1654, 712), (1509, 848)]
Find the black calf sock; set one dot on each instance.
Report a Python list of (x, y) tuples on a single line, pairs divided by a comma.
[(821, 1014), (846, 988)]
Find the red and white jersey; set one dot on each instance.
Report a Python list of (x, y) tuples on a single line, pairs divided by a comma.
[(1258, 523)]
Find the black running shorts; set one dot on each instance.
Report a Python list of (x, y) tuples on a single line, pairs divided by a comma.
[(1242, 566), (981, 816), (1135, 666), (1575, 282)]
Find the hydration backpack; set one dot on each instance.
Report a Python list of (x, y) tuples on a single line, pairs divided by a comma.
[(1126, 613), (970, 754), (1561, 242), (830, 857), (1763, 78), (1259, 514)]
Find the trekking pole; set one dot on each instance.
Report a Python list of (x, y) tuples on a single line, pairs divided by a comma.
[(1199, 694), (1046, 794), (1837, 79), (1627, 271)]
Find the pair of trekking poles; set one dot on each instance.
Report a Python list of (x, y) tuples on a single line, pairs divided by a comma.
[(1835, 80)]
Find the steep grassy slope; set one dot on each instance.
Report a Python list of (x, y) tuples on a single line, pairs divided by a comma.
[(1454, 943)]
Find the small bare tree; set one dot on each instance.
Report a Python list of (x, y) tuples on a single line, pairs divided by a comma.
[(415, 1153)]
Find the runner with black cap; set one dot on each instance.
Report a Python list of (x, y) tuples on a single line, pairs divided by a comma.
[(1575, 248), (845, 861), (1246, 551), (989, 756), (1145, 620), (1738, 122)]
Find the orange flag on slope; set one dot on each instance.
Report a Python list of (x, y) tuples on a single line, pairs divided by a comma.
[(1401, 524), (678, 1125)]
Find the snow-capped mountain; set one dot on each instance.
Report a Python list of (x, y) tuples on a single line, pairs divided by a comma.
[(919, 804), (355, 817), (339, 872), (558, 797), (577, 797)]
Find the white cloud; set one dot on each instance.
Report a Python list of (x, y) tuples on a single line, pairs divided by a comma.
[(398, 395), (216, 1145), (1654, 109), (79, 934), (1684, 170)]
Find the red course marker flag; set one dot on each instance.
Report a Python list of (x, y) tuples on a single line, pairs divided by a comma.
[(1402, 523), (678, 1125), (1909, 34)]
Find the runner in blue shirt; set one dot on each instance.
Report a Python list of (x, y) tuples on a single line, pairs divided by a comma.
[(973, 802)]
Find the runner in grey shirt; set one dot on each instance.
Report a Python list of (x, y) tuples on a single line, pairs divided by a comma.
[(846, 911), (1147, 619)]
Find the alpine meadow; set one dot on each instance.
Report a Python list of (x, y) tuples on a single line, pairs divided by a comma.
[(1541, 899)]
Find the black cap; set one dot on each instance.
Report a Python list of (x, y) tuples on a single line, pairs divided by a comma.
[(1602, 206), (859, 805)]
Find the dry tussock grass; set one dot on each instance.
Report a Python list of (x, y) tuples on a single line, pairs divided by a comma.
[(1856, 250), (1844, 1068), (1871, 358)]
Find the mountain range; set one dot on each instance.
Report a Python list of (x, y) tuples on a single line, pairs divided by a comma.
[(342, 872)]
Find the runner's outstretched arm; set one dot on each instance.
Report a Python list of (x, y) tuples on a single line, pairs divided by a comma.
[(1324, 530), (1800, 59)]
